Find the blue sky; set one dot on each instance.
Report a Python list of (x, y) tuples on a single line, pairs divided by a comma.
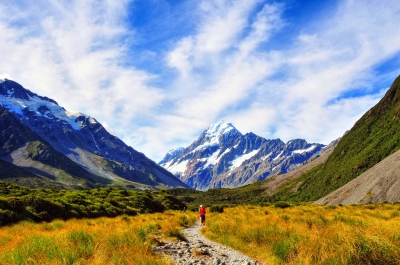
[(156, 73)]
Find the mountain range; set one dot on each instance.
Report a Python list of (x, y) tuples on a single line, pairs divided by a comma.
[(43, 145), (222, 157), (54, 147)]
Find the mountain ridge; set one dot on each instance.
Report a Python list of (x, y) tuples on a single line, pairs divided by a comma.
[(83, 140), (223, 157)]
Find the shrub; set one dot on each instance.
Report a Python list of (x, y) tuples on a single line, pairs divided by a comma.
[(183, 220), (175, 232), (281, 205), (217, 208)]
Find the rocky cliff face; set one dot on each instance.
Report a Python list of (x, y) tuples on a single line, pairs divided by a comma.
[(82, 139), (223, 157)]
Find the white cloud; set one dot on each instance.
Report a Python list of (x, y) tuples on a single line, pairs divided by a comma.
[(4, 76), (76, 55)]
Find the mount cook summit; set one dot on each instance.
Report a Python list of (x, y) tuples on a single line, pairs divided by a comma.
[(222, 157)]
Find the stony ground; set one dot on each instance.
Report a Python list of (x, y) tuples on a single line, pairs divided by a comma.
[(199, 250)]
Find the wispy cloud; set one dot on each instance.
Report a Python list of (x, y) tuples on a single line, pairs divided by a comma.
[(75, 53), (158, 85)]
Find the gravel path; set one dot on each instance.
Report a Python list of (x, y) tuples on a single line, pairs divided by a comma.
[(199, 250)]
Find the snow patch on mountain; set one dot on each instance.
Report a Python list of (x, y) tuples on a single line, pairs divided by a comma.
[(305, 150), (278, 156), (215, 158), (209, 143), (176, 168), (237, 162), (265, 157)]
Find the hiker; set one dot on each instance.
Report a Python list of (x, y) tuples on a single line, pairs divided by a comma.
[(202, 214)]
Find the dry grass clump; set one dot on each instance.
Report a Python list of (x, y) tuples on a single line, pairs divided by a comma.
[(200, 252), (120, 240), (310, 234)]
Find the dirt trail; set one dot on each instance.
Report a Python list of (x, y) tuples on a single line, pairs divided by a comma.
[(200, 250)]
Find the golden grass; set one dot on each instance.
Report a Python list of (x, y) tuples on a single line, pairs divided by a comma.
[(120, 240), (310, 234), (199, 252)]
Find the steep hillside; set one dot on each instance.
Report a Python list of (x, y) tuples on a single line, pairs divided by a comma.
[(373, 138), (36, 160), (381, 183)]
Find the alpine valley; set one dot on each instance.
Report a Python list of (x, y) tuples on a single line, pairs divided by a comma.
[(222, 157), (44, 145)]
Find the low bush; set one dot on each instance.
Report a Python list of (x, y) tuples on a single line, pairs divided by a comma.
[(217, 208), (281, 205)]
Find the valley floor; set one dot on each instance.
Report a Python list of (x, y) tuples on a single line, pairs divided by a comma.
[(295, 235)]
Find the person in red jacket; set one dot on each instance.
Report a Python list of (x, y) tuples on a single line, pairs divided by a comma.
[(202, 214)]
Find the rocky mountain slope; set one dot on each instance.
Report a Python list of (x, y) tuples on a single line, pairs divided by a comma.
[(223, 157), (74, 137), (289, 182), (33, 161)]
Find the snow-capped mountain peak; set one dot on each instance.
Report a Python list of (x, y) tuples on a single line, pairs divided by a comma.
[(172, 154), (223, 157), (221, 134), (218, 129), (22, 101)]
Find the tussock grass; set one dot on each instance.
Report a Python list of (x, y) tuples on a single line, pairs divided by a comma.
[(311, 234), (120, 240), (200, 252)]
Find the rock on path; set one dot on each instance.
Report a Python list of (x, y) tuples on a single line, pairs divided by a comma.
[(199, 250)]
